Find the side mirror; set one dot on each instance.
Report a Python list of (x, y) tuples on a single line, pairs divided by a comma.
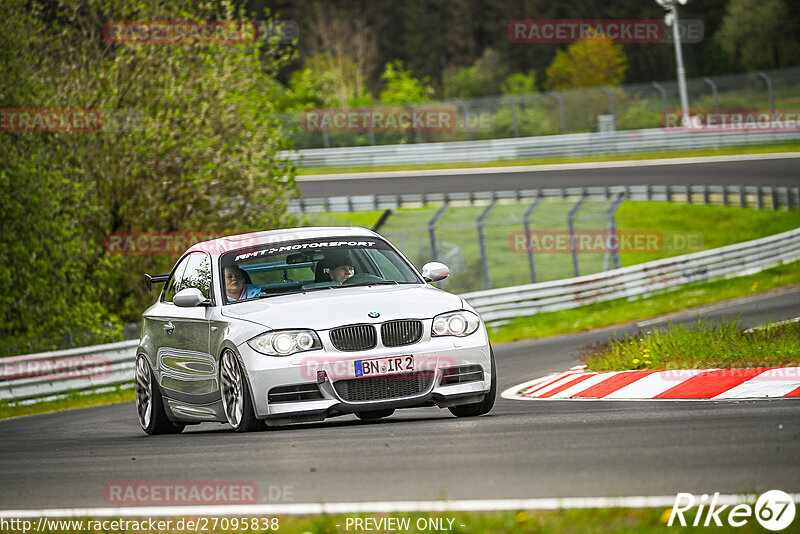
[(190, 298), (434, 271)]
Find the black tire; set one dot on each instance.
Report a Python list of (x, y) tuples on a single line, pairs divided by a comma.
[(483, 407), (150, 404), (235, 390), (374, 414)]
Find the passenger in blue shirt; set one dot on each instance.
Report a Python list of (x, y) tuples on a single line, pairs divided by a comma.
[(237, 284)]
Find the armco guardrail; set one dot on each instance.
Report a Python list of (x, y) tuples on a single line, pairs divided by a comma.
[(636, 280), (52, 373), (531, 147)]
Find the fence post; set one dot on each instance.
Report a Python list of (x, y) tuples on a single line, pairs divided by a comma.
[(384, 217), (513, 114), (326, 139), (742, 197), (572, 245), (611, 104), (526, 223), (561, 111), (418, 133), (370, 130), (466, 117), (663, 92), (760, 197), (725, 195), (487, 284), (713, 92), (706, 199), (611, 226), (771, 95), (432, 230)]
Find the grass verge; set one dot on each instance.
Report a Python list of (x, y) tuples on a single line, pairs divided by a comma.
[(67, 402), (700, 346), (614, 312), (792, 146), (608, 520)]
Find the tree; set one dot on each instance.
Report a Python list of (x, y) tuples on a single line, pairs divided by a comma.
[(759, 34), (589, 62), (326, 81), (201, 155), (401, 87), (483, 78), (520, 83)]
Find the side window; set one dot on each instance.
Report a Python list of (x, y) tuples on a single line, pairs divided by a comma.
[(198, 274), (388, 270), (174, 284)]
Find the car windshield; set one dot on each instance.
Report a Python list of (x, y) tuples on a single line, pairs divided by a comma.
[(312, 264)]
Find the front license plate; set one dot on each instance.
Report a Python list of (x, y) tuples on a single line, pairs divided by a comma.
[(384, 366)]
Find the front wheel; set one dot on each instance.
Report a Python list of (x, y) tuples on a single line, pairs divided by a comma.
[(236, 399), (150, 404), (483, 407)]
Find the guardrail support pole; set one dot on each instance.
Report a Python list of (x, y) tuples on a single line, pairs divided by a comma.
[(572, 245), (487, 284), (742, 197), (612, 231), (418, 133), (771, 95), (326, 138), (526, 223), (611, 104), (513, 108), (432, 229), (562, 112)]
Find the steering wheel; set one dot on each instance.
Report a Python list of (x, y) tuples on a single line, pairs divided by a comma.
[(362, 278)]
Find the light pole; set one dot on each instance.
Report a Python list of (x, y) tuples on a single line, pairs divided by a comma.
[(671, 19)]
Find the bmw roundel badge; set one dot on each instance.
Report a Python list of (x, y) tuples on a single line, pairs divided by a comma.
[(374, 315)]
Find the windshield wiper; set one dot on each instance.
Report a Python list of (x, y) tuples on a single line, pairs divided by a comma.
[(267, 295)]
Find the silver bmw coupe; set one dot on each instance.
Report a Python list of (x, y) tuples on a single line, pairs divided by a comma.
[(297, 325)]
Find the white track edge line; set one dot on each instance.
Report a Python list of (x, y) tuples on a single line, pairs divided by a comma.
[(478, 505)]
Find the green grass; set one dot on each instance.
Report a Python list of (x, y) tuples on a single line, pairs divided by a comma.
[(707, 227), (700, 346), (614, 312), (68, 402), (792, 146), (607, 520)]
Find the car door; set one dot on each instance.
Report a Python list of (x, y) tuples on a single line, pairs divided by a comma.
[(188, 370)]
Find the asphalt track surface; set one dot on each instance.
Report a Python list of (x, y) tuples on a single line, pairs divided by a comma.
[(768, 172), (522, 449)]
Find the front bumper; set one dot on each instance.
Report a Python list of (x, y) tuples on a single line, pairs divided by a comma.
[(432, 358)]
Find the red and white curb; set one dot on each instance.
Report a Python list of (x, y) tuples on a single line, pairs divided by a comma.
[(577, 383)]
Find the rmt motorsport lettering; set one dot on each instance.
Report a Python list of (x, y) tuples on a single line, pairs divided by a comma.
[(304, 246)]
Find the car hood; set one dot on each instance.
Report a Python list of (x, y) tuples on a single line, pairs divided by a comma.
[(328, 308)]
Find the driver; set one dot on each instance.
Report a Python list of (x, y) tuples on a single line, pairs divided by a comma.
[(237, 286), (342, 273)]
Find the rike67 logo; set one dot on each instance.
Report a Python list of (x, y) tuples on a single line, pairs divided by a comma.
[(774, 510)]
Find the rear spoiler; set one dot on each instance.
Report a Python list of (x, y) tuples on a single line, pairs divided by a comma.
[(157, 278)]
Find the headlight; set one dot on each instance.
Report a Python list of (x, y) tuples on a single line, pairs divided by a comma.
[(461, 323), (285, 342)]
